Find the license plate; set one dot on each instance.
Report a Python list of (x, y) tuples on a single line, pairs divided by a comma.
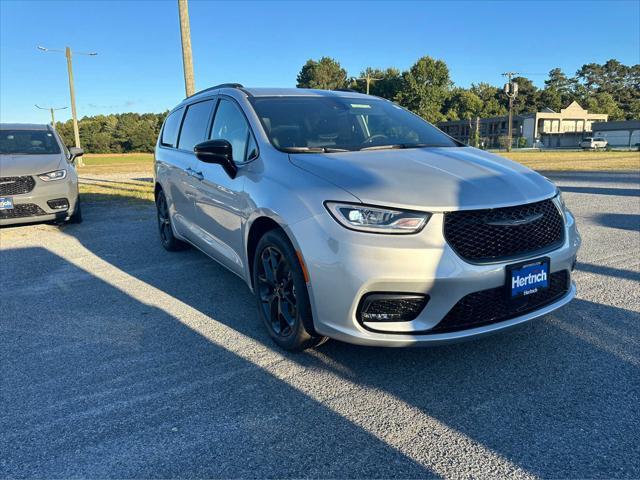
[(527, 278), (6, 203)]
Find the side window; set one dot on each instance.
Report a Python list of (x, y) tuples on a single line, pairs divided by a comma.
[(194, 126), (230, 125), (170, 129)]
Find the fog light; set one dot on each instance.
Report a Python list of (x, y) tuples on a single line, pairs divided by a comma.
[(58, 204), (391, 307)]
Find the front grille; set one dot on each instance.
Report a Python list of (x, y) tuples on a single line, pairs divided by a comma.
[(495, 234), (16, 185), (22, 210), (493, 305)]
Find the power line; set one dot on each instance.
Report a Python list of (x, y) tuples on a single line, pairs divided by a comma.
[(68, 53), (52, 110)]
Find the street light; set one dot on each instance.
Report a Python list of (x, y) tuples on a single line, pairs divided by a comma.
[(68, 54), (51, 109)]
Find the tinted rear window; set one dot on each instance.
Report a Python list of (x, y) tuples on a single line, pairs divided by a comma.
[(170, 129), (28, 142)]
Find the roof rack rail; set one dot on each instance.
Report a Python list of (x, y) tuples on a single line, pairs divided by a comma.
[(346, 90), (216, 87)]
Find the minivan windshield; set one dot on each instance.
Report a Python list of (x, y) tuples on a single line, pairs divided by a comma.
[(28, 142), (303, 124)]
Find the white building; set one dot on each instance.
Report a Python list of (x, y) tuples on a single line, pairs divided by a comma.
[(625, 133)]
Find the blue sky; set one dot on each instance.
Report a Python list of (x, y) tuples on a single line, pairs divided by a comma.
[(139, 66)]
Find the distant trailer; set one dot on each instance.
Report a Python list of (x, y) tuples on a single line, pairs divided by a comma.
[(620, 134)]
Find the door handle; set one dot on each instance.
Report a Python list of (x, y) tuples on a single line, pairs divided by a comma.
[(192, 173)]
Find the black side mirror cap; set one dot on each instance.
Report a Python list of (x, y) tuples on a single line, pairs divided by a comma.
[(75, 152), (217, 151)]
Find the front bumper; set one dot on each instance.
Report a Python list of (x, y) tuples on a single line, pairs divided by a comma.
[(39, 196), (344, 265)]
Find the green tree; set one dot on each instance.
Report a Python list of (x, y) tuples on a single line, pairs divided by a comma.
[(463, 104), (605, 103), (559, 91), (620, 81), (425, 87), (325, 74), (492, 100), (528, 98)]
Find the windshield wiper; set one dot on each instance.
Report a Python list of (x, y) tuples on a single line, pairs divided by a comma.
[(401, 145), (313, 150), (383, 147)]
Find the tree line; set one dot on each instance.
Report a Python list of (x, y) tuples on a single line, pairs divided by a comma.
[(115, 133), (425, 88)]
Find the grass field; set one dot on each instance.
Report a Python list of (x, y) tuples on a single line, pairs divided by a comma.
[(572, 160), (117, 163)]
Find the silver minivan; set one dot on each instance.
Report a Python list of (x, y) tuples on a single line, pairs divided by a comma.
[(38, 178), (350, 217)]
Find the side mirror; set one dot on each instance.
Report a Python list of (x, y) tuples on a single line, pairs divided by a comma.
[(217, 151), (75, 152)]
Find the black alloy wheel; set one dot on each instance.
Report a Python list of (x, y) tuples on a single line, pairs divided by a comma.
[(281, 293), (277, 291), (168, 240)]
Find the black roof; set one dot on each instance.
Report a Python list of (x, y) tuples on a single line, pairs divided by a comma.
[(617, 125)]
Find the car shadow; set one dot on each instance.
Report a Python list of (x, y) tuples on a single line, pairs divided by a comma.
[(622, 221), (532, 395), (98, 383)]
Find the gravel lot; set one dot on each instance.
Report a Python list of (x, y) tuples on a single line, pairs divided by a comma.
[(119, 359)]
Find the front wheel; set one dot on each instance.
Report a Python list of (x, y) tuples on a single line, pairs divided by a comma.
[(281, 293)]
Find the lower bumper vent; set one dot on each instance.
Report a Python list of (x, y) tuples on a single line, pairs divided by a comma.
[(493, 305), (391, 307)]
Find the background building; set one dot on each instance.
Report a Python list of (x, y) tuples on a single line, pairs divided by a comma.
[(544, 128), (625, 133)]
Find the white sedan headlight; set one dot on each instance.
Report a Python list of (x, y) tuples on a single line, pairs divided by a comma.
[(55, 175), (365, 218)]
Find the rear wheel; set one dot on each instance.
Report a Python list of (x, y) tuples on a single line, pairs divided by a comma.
[(168, 240), (281, 292)]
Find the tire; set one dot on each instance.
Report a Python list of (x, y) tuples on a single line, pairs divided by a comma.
[(76, 218), (168, 240), (281, 293)]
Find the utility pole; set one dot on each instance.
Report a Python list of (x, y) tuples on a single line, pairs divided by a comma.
[(368, 78), (510, 90), (52, 110), (74, 114), (72, 93), (187, 58)]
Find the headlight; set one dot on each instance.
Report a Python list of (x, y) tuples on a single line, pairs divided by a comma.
[(365, 218), (55, 175)]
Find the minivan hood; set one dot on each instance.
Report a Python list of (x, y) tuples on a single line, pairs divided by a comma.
[(434, 179), (16, 165)]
